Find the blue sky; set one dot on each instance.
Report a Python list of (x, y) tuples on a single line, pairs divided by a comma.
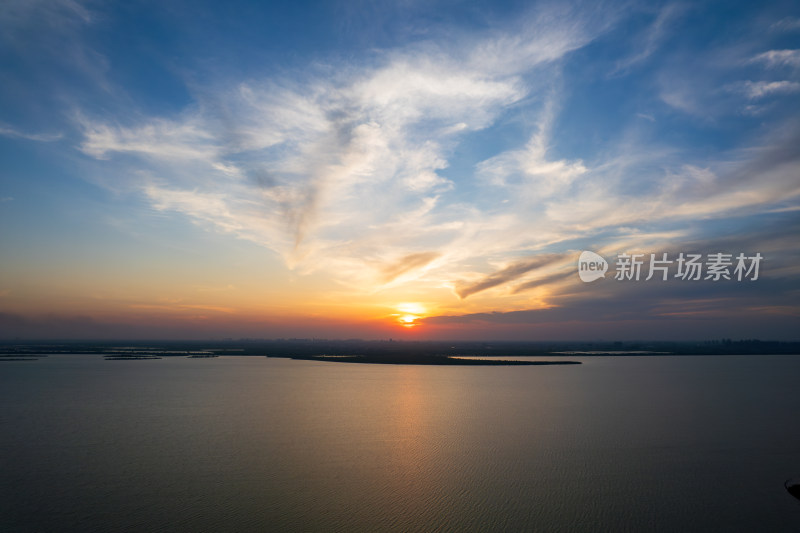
[(184, 169)]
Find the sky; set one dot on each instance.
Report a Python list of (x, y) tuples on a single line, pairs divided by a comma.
[(402, 169)]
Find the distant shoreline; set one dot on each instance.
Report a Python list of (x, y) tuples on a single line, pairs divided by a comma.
[(427, 360), (473, 353)]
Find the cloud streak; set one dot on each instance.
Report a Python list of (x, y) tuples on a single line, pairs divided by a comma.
[(6, 131), (760, 89), (778, 58), (510, 273)]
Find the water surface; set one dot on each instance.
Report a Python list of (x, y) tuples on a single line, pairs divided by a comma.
[(652, 443)]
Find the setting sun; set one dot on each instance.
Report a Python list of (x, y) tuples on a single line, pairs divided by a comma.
[(408, 320), (409, 313)]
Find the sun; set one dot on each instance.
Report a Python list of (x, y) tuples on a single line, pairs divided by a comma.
[(409, 313), (407, 321)]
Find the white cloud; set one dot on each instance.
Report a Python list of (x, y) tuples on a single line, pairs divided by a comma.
[(708, 83), (529, 172), (760, 89), (7, 131), (787, 24), (348, 172), (318, 172), (778, 58), (158, 138)]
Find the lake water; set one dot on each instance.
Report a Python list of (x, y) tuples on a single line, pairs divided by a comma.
[(255, 444)]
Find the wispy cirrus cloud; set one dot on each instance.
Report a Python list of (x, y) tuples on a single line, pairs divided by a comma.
[(7, 131), (47, 38), (348, 168), (652, 36), (755, 90), (168, 141), (786, 24), (723, 79), (778, 58), (408, 263), (322, 170)]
